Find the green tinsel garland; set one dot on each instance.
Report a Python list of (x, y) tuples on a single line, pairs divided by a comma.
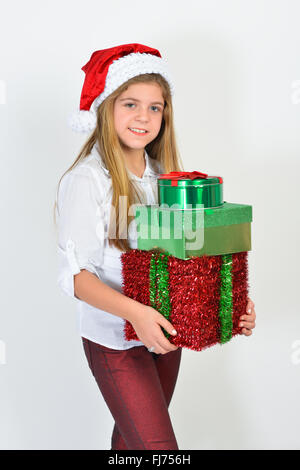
[(159, 272), (159, 291), (225, 310), (152, 275)]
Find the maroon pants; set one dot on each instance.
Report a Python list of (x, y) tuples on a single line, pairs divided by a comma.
[(137, 386)]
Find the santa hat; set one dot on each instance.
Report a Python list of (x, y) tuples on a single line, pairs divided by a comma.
[(108, 69)]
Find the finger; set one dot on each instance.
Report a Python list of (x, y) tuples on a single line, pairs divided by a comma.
[(247, 324), (246, 332), (167, 326), (157, 348), (249, 309), (248, 317), (165, 344), (162, 341)]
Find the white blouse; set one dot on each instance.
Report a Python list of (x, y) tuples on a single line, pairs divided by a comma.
[(83, 211)]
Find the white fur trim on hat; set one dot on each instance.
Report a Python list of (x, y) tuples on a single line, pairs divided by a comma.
[(119, 72), (83, 121)]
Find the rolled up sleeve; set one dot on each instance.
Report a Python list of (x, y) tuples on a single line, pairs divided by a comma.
[(80, 243)]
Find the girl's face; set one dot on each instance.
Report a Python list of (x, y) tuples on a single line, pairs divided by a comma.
[(139, 107)]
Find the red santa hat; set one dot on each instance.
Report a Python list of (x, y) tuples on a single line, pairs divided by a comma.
[(108, 69)]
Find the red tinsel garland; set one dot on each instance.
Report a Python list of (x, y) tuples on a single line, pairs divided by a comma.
[(194, 291)]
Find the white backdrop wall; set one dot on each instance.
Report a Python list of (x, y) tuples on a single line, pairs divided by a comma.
[(236, 70)]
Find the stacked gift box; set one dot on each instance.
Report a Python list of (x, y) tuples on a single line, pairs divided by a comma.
[(191, 263)]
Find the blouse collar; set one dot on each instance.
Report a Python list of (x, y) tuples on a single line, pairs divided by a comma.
[(152, 166)]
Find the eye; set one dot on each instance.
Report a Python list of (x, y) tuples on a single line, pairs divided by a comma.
[(157, 109)]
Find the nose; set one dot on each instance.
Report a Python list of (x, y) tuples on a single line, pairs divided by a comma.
[(142, 114)]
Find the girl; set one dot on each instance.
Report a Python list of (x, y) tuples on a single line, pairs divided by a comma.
[(126, 105)]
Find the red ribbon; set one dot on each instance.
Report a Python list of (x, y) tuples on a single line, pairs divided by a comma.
[(174, 176)]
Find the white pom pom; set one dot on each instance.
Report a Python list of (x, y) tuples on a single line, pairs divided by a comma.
[(82, 121)]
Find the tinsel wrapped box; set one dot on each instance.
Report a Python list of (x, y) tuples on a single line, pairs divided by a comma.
[(192, 269), (202, 297)]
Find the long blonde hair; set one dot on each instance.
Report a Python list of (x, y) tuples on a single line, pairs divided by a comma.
[(163, 149)]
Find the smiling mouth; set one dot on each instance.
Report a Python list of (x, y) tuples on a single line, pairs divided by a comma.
[(138, 133)]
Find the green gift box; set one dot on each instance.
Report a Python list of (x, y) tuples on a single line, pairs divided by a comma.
[(192, 219), (204, 296)]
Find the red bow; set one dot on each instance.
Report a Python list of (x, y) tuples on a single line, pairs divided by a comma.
[(174, 176)]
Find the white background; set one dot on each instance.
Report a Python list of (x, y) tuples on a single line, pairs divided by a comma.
[(236, 70)]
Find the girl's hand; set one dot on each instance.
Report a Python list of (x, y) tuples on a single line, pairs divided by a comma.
[(247, 321), (147, 325)]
